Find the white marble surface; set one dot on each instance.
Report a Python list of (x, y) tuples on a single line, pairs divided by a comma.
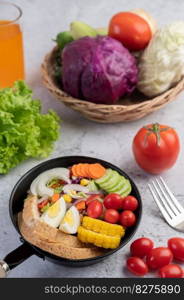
[(42, 20)]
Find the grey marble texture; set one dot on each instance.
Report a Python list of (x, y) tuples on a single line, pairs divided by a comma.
[(42, 20)]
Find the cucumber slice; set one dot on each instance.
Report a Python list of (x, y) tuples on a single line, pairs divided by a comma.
[(127, 192), (117, 186), (105, 178), (114, 180), (92, 186), (125, 188)]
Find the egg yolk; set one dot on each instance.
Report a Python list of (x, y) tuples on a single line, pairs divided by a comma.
[(69, 218), (54, 210)]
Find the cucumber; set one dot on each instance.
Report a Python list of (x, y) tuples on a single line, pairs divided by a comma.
[(92, 186), (127, 192), (126, 187), (113, 182), (117, 186), (114, 179), (105, 178)]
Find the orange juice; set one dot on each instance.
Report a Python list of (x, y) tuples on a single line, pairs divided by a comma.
[(11, 53)]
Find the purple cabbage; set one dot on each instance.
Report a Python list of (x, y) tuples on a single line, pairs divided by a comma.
[(100, 69)]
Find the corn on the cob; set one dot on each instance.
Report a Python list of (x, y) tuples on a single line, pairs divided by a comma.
[(103, 227), (98, 239)]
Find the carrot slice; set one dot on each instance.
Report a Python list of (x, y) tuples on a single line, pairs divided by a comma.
[(55, 197), (81, 205), (96, 171), (88, 172), (78, 168), (74, 173), (84, 170)]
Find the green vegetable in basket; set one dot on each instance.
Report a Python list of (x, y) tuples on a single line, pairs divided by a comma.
[(24, 131), (80, 29), (63, 38), (162, 63)]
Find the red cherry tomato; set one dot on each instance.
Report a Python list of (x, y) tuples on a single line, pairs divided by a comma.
[(95, 209), (129, 203), (141, 247), (137, 266), (42, 204), (111, 216), (156, 148), (113, 201), (127, 218), (130, 29), (93, 197), (176, 245), (159, 257), (171, 271)]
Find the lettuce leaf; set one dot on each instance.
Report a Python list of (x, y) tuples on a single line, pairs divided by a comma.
[(24, 131)]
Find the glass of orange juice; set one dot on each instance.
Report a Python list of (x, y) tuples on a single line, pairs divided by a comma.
[(11, 44)]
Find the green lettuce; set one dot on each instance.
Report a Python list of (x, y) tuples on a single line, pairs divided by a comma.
[(24, 131)]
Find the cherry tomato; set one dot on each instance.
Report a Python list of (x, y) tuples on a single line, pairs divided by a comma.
[(141, 247), (159, 257), (176, 245), (111, 216), (137, 266), (129, 203), (94, 197), (131, 30), (95, 209), (171, 271), (42, 204), (156, 148), (127, 218), (113, 201)]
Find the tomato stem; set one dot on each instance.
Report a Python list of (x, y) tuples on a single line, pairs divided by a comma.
[(155, 129)]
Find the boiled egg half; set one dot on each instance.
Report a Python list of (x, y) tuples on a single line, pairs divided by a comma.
[(55, 213), (71, 221)]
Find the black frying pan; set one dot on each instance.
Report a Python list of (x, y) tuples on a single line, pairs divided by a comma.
[(25, 250)]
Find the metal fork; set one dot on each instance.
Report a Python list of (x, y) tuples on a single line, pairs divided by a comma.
[(169, 206)]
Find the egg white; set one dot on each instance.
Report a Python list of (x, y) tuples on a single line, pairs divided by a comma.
[(68, 228), (56, 220)]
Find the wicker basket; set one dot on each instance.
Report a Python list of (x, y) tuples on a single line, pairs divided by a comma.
[(127, 109)]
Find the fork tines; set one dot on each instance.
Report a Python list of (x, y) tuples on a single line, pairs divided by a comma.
[(167, 203)]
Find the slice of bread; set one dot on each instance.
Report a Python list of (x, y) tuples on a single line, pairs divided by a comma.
[(51, 239)]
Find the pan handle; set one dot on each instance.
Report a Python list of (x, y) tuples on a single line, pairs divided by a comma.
[(14, 258)]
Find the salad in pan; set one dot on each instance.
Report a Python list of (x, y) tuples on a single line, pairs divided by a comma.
[(86, 201)]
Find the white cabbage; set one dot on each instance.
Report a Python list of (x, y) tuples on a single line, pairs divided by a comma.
[(161, 65)]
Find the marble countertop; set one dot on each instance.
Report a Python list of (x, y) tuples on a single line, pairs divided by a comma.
[(42, 20)]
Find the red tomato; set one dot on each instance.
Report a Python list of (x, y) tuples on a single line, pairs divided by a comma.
[(111, 216), (113, 201), (159, 257), (130, 29), (141, 247), (42, 204), (127, 218), (171, 271), (176, 245), (129, 203), (137, 266), (94, 197), (95, 209), (156, 148)]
